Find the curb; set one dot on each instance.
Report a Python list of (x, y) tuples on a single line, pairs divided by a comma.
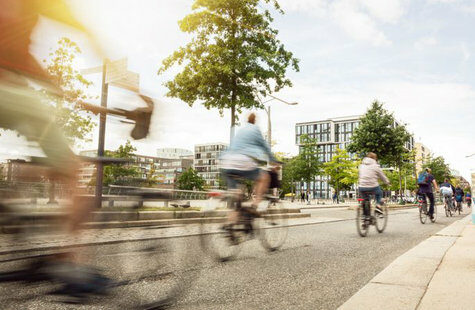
[(403, 283)]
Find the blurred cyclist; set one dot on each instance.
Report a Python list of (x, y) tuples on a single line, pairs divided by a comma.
[(22, 109), (425, 181), (447, 190), (247, 150), (368, 176)]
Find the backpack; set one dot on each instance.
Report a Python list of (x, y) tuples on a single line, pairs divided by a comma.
[(423, 178)]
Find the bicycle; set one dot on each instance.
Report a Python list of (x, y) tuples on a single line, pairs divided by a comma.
[(126, 270), (448, 206), (366, 216), (423, 212), (268, 224)]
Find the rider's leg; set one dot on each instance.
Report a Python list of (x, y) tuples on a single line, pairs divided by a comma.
[(378, 192), (432, 203), (261, 187)]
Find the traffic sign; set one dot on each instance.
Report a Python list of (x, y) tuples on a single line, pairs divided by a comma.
[(131, 81)]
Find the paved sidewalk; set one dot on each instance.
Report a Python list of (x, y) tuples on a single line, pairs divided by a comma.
[(439, 273)]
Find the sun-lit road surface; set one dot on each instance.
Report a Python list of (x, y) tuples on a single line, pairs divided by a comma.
[(320, 266)]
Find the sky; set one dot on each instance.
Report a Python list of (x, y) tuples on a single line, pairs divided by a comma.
[(414, 56)]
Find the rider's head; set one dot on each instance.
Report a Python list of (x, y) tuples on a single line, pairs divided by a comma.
[(372, 155), (428, 170), (251, 118), (446, 180)]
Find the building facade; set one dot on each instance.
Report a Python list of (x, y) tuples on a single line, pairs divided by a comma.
[(330, 134), (206, 162), (174, 153), (422, 155), (163, 171)]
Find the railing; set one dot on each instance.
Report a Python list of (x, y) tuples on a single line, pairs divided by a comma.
[(177, 194)]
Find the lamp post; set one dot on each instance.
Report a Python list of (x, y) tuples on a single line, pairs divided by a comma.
[(267, 109)]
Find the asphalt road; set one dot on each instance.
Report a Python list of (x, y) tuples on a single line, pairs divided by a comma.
[(319, 267)]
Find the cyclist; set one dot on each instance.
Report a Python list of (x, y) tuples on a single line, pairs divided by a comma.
[(22, 109), (468, 198), (459, 194), (370, 173), (447, 190), (425, 181), (248, 148)]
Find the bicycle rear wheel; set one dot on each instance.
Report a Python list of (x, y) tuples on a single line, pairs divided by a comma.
[(381, 219), (362, 226), (220, 242), (272, 227), (422, 214)]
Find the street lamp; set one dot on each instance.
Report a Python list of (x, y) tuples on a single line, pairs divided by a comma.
[(267, 109)]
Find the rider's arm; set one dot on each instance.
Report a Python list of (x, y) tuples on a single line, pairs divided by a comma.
[(436, 187), (262, 143), (382, 176)]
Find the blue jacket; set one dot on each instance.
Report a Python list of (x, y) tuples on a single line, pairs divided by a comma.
[(249, 141)]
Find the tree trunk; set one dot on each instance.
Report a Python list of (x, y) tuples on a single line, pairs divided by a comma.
[(400, 183), (233, 123)]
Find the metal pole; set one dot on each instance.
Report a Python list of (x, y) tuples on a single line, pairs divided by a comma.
[(269, 128), (102, 133)]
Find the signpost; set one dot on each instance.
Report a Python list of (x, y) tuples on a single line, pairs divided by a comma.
[(116, 74)]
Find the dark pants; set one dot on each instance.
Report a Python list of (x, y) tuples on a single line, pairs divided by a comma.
[(431, 200)]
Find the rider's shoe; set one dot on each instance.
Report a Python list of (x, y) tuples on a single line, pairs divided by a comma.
[(431, 216)]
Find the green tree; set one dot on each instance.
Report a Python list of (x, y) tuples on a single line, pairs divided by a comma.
[(342, 170), (233, 58), (378, 132), (440, 169), (76, 124), (121, 174), (190, 180), (307, 163), (289, 176)]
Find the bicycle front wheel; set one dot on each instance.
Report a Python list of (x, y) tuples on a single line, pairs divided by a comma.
[(381, 219), (273, 227), (434, 216)]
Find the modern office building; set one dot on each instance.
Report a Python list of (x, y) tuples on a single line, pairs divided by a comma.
[(330, 134), (422, 155), (206, 162), (165, 171), (174, 153)]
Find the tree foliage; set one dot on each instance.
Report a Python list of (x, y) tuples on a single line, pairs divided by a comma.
[(342, 170), (378, 133), (190, 180), (440, 169), (76, 125), (307, 164), (233, 58), (121, 174), (288, 174)]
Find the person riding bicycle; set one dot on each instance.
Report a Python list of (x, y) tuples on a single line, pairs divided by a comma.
[(22, 109), (459, 194), (468, 199), (370, 173), (447, 190), (248, 148), (425, 181)]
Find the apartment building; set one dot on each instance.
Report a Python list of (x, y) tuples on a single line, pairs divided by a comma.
[(330, 134), (206, 162)]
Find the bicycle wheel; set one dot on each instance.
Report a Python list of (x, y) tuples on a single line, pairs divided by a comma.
[(272, 226), (381, 219), (434, 216), (220, 243), (422, 214), (146, 273), (362, 226)]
